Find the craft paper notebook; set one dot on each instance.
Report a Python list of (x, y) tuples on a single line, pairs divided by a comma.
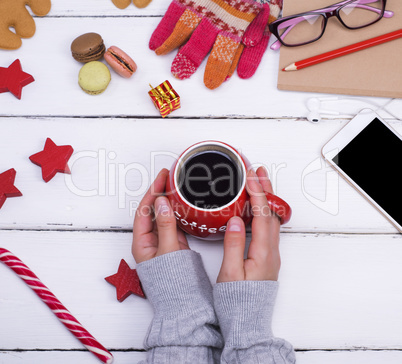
[(376, 71)]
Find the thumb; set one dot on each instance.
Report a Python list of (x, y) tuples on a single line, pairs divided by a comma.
[(166, 223), (234, 244), (255, 30)]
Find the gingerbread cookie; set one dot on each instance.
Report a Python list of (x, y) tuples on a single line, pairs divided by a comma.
[(14, 14), (122, 4)]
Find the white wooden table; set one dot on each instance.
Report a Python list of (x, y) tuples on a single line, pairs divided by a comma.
[(340, 299)]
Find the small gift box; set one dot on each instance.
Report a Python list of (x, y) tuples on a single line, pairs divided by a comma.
[(165, 98)]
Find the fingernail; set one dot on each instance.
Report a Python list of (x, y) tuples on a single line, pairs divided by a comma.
[(235, 224), (265, 170), (162, 205), (252, 176), (252, 173)]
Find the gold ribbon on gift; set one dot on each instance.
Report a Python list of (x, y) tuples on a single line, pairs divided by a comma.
[(160, 96), (170, 89)]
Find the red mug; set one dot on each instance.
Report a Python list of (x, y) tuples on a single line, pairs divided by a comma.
[(209, 221)]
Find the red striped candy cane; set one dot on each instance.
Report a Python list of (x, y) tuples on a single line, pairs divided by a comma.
[(55, 305)]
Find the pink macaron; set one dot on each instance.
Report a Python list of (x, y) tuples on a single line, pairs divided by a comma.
[(120, 61)]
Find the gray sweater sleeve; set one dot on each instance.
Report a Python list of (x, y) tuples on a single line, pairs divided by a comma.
[(184, 329), (244, 310)]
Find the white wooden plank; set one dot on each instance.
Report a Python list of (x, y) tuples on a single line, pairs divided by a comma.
[(104, 8), (309, 357), (63, 357), (348, 357), (56, 91), (337, 291), (116, 159)]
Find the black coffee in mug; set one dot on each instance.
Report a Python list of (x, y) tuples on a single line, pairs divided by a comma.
[(210, 178)]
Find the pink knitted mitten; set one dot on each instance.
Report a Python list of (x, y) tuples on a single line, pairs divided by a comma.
[(257, 37)]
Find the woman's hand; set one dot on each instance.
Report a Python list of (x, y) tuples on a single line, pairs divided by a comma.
[(155, 232), (263, 260)]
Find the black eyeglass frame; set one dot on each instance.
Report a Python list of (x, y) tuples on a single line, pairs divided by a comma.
[(326, 14)]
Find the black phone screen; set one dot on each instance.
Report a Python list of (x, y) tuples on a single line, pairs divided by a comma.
[(373, 160)]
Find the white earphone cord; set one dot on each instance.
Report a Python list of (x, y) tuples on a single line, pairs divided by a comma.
[(383, 107), (314, 106)]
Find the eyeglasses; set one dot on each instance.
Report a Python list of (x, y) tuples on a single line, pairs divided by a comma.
[(304, 28)]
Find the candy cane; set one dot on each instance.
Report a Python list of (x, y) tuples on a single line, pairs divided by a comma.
[(55, 305)]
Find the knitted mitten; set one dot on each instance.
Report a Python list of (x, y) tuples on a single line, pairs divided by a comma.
[(257, 37), (199, 26)]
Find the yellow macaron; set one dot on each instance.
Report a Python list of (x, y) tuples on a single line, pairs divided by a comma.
[(94, 77)]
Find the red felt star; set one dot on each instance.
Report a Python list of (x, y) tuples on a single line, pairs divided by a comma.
[(7, 188), (53, 159), (126, 282), (13, 79)]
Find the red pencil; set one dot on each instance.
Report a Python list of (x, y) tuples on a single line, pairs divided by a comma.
[(344, 51)]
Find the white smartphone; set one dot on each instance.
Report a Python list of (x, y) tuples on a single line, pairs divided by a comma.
[(367, 152)]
